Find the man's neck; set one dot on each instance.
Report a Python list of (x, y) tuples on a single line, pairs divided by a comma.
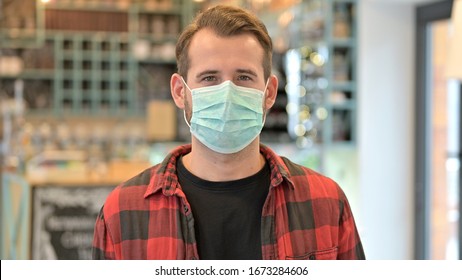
[(209, 165)]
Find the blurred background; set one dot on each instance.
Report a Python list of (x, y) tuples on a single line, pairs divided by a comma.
[(369, 95)]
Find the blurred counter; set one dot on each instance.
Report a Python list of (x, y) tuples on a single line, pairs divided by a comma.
[(112, 173)]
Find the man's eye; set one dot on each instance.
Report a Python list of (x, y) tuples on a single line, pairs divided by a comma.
[(209, 79), (244, 78)]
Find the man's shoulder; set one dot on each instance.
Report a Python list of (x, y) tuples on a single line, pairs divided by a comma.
[(153, 178), (307, 178), (141, 179), (132, 190), (288, 167), (295, 169)]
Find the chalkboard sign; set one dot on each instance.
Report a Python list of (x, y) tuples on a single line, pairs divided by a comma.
[(63, 221)]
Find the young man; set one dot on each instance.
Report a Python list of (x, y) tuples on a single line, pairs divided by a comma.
[(226, 196)]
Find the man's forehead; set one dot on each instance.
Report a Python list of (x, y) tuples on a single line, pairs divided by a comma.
[(206, 46)]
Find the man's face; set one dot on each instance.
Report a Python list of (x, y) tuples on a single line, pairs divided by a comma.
[(215, 59)]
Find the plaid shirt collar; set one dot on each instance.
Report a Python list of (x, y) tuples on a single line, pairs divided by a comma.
[(166, 178)]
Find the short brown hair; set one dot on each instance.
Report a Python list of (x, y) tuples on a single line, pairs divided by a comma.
[(224, 21)]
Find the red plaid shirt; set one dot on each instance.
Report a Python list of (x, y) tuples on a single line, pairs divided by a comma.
[(305, 216)]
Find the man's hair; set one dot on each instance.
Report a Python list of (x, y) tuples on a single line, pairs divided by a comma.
[(224, 21)]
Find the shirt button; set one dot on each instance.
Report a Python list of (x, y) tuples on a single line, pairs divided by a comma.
[(312, 257)]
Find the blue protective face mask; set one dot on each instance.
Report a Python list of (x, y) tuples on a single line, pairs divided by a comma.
[(226, 118)]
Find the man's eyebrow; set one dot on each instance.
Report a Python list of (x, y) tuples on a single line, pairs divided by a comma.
[(207, 72), (247, 71)]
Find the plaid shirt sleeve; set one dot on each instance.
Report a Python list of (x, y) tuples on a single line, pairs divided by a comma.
[(103, 249), (350, 245)]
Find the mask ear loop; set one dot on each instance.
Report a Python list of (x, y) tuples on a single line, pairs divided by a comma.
[(184, 111), (264, 103), (186, 121)]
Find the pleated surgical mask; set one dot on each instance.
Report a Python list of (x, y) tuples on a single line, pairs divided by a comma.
[(226, 118)]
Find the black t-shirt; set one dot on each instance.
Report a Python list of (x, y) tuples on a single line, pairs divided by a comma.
[(227, 215)]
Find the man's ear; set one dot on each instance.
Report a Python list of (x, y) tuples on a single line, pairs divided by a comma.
[(177, 89), (271, 92)]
